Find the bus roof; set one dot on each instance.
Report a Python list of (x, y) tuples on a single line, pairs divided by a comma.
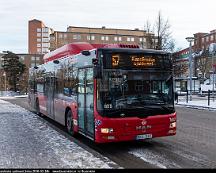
[(66, 50), (77, 47)]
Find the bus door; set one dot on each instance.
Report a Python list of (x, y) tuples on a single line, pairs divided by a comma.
[(85, 101), (50, 97)]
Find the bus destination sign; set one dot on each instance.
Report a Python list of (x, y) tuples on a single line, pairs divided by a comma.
[(135, 61)]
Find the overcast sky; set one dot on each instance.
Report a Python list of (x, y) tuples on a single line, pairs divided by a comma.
[(186, 17)]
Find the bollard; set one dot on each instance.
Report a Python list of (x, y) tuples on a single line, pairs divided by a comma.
[(208, 97), (187, 96)]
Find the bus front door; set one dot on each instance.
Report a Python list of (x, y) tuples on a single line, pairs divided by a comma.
[(85, 101)]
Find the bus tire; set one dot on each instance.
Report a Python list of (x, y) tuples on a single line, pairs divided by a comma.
[(38, 108), (69, 123)]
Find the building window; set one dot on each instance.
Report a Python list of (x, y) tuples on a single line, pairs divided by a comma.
[(38, 29), (39, 50), (38, 34), (92, 37), (38, 40), (45, 30), (46, 45), (130, 38), (60, 36), (45, 39), (120, 39), (65, 35), (107, 38), (76, 37), (207, 39), (115, 38), (140, 39), (45, 50), (45, 34), (38, 45), (202, 40), (102, 38), (37, 58)]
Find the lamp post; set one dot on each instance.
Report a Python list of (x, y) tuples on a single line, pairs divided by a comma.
[(213, 81), (190, 39), (212, 50)]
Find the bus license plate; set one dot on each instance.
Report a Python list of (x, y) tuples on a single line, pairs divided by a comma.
[(146, 136)]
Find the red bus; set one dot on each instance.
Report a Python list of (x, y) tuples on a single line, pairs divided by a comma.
[(108, 93)]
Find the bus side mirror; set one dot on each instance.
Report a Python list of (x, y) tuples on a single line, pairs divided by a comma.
[(97, 72)]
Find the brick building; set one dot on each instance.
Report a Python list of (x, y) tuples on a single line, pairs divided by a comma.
[(43, 39), (203, 40), (38, 37), (202, 60), (102, 36)]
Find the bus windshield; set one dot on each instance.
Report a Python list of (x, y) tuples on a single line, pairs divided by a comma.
[(135, 92)]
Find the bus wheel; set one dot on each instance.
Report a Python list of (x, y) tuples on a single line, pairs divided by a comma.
[(69, 123), (38, 108)]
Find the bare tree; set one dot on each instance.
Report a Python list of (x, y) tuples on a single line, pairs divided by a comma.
[(203, 63), (150, 36), (163, 34), (160, 32)]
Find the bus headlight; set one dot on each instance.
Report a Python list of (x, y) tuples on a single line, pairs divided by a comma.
[(172, 125), (106, 130)]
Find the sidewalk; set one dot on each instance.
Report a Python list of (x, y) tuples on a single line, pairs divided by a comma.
[(197, 104)]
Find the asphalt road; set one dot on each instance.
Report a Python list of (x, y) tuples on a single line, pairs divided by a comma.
[(194, 145)]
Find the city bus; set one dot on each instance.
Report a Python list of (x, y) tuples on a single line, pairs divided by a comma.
[(108, 93)]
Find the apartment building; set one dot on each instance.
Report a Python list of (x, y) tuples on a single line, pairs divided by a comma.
[(43, 39), (102, 36), (203, 40), (38, 37), (202, 60)]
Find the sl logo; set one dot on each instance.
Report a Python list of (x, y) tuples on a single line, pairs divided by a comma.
[(144, 122)]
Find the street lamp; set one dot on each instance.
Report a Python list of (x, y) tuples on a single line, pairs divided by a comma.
[(190, 39), (212, 50)]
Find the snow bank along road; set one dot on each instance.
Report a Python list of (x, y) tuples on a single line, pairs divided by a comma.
[(194, 145)]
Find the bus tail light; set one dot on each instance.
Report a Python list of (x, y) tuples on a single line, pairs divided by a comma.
[(106, 130)]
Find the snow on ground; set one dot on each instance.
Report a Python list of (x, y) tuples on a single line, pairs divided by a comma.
[(154, 158), (13, 97), (202, 104), (69, 153)]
